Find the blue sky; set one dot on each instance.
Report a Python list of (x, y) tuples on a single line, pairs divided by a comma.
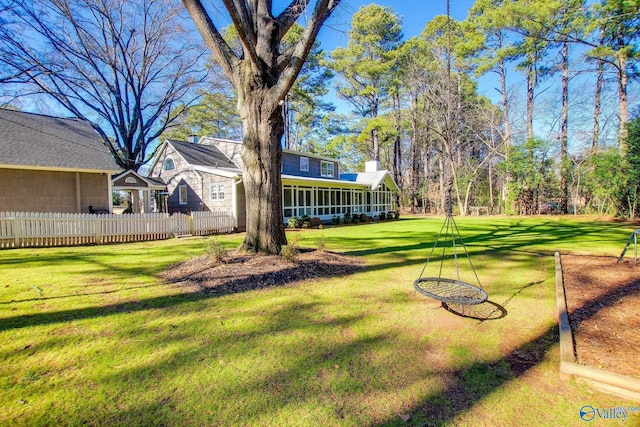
[(414, 13)]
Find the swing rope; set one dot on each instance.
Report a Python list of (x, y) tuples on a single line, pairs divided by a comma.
[(447, 290), (453, 291)]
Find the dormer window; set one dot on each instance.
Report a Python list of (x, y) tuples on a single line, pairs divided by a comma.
[(169, 164), (304, 164), (326, 169)]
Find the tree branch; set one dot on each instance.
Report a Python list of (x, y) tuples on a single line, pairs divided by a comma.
[(245, 25), (290, 15), (225, 56), (292, 63)]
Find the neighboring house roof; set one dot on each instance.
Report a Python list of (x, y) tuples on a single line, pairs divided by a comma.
[(131, 180), (34, 141), (371, 179), (226, 172), (229, 147), (330, 182), (310, 155), (202, 155)]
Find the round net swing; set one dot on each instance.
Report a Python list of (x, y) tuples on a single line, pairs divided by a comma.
[(451, 284)]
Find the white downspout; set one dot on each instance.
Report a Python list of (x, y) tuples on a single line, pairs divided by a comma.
[(110, 192), (234, 197)]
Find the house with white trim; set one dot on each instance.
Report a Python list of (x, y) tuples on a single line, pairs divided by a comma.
[(207, 175)]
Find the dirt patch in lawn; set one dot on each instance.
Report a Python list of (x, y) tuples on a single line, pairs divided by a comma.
[(603, 299), (240, 272)]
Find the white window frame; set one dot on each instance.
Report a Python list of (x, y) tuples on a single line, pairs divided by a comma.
[(173, 164), (216, 192), (326, 169), (182, 194), (304, 164)]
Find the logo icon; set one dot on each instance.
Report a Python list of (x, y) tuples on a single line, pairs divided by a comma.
[(587, 413)]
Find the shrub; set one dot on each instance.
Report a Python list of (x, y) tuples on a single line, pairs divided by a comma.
[(294, 222), (382, 216), (215, 250), (335, 220), (289, 253), (364, 218), (315, 221), (306, 221)]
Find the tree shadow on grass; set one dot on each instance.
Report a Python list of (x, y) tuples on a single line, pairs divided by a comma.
[(475, 382), (198, 284), (84, 294)]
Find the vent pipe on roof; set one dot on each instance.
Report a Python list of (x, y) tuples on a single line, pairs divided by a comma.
[(372, 166)]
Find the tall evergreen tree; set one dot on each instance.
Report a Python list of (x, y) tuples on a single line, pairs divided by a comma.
[(367, 64)]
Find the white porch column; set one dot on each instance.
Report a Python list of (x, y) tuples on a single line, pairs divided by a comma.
[(136, 201), (234, 197), (146, 200)]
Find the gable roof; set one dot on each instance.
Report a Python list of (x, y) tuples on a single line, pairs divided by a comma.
[(130, 179), (371, 179), (202, 155), (34, 141)]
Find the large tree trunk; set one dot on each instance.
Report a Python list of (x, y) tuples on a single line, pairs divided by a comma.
[(263, 128)]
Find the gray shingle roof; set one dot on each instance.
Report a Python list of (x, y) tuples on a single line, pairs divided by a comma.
[(202, 155), (34, 140)]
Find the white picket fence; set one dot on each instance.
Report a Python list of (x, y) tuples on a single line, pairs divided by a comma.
[(28, 229)]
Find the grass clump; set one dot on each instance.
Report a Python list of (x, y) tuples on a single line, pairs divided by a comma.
[(289, 253), (216, 250), (321, 242)]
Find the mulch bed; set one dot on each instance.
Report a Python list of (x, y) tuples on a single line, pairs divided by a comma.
[(241, 272), (603, 299)]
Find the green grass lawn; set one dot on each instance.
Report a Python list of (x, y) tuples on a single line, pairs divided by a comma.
[(92, 336)]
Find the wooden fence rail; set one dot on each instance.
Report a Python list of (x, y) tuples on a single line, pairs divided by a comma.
[(28, 229)]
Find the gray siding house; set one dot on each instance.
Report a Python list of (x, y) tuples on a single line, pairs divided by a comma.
[(52, 164), (207, 175)]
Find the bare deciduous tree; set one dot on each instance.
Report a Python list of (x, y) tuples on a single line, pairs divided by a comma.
[(122, 65)]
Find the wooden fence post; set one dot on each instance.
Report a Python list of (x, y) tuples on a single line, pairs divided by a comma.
[(98, 231), (16, 231)]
